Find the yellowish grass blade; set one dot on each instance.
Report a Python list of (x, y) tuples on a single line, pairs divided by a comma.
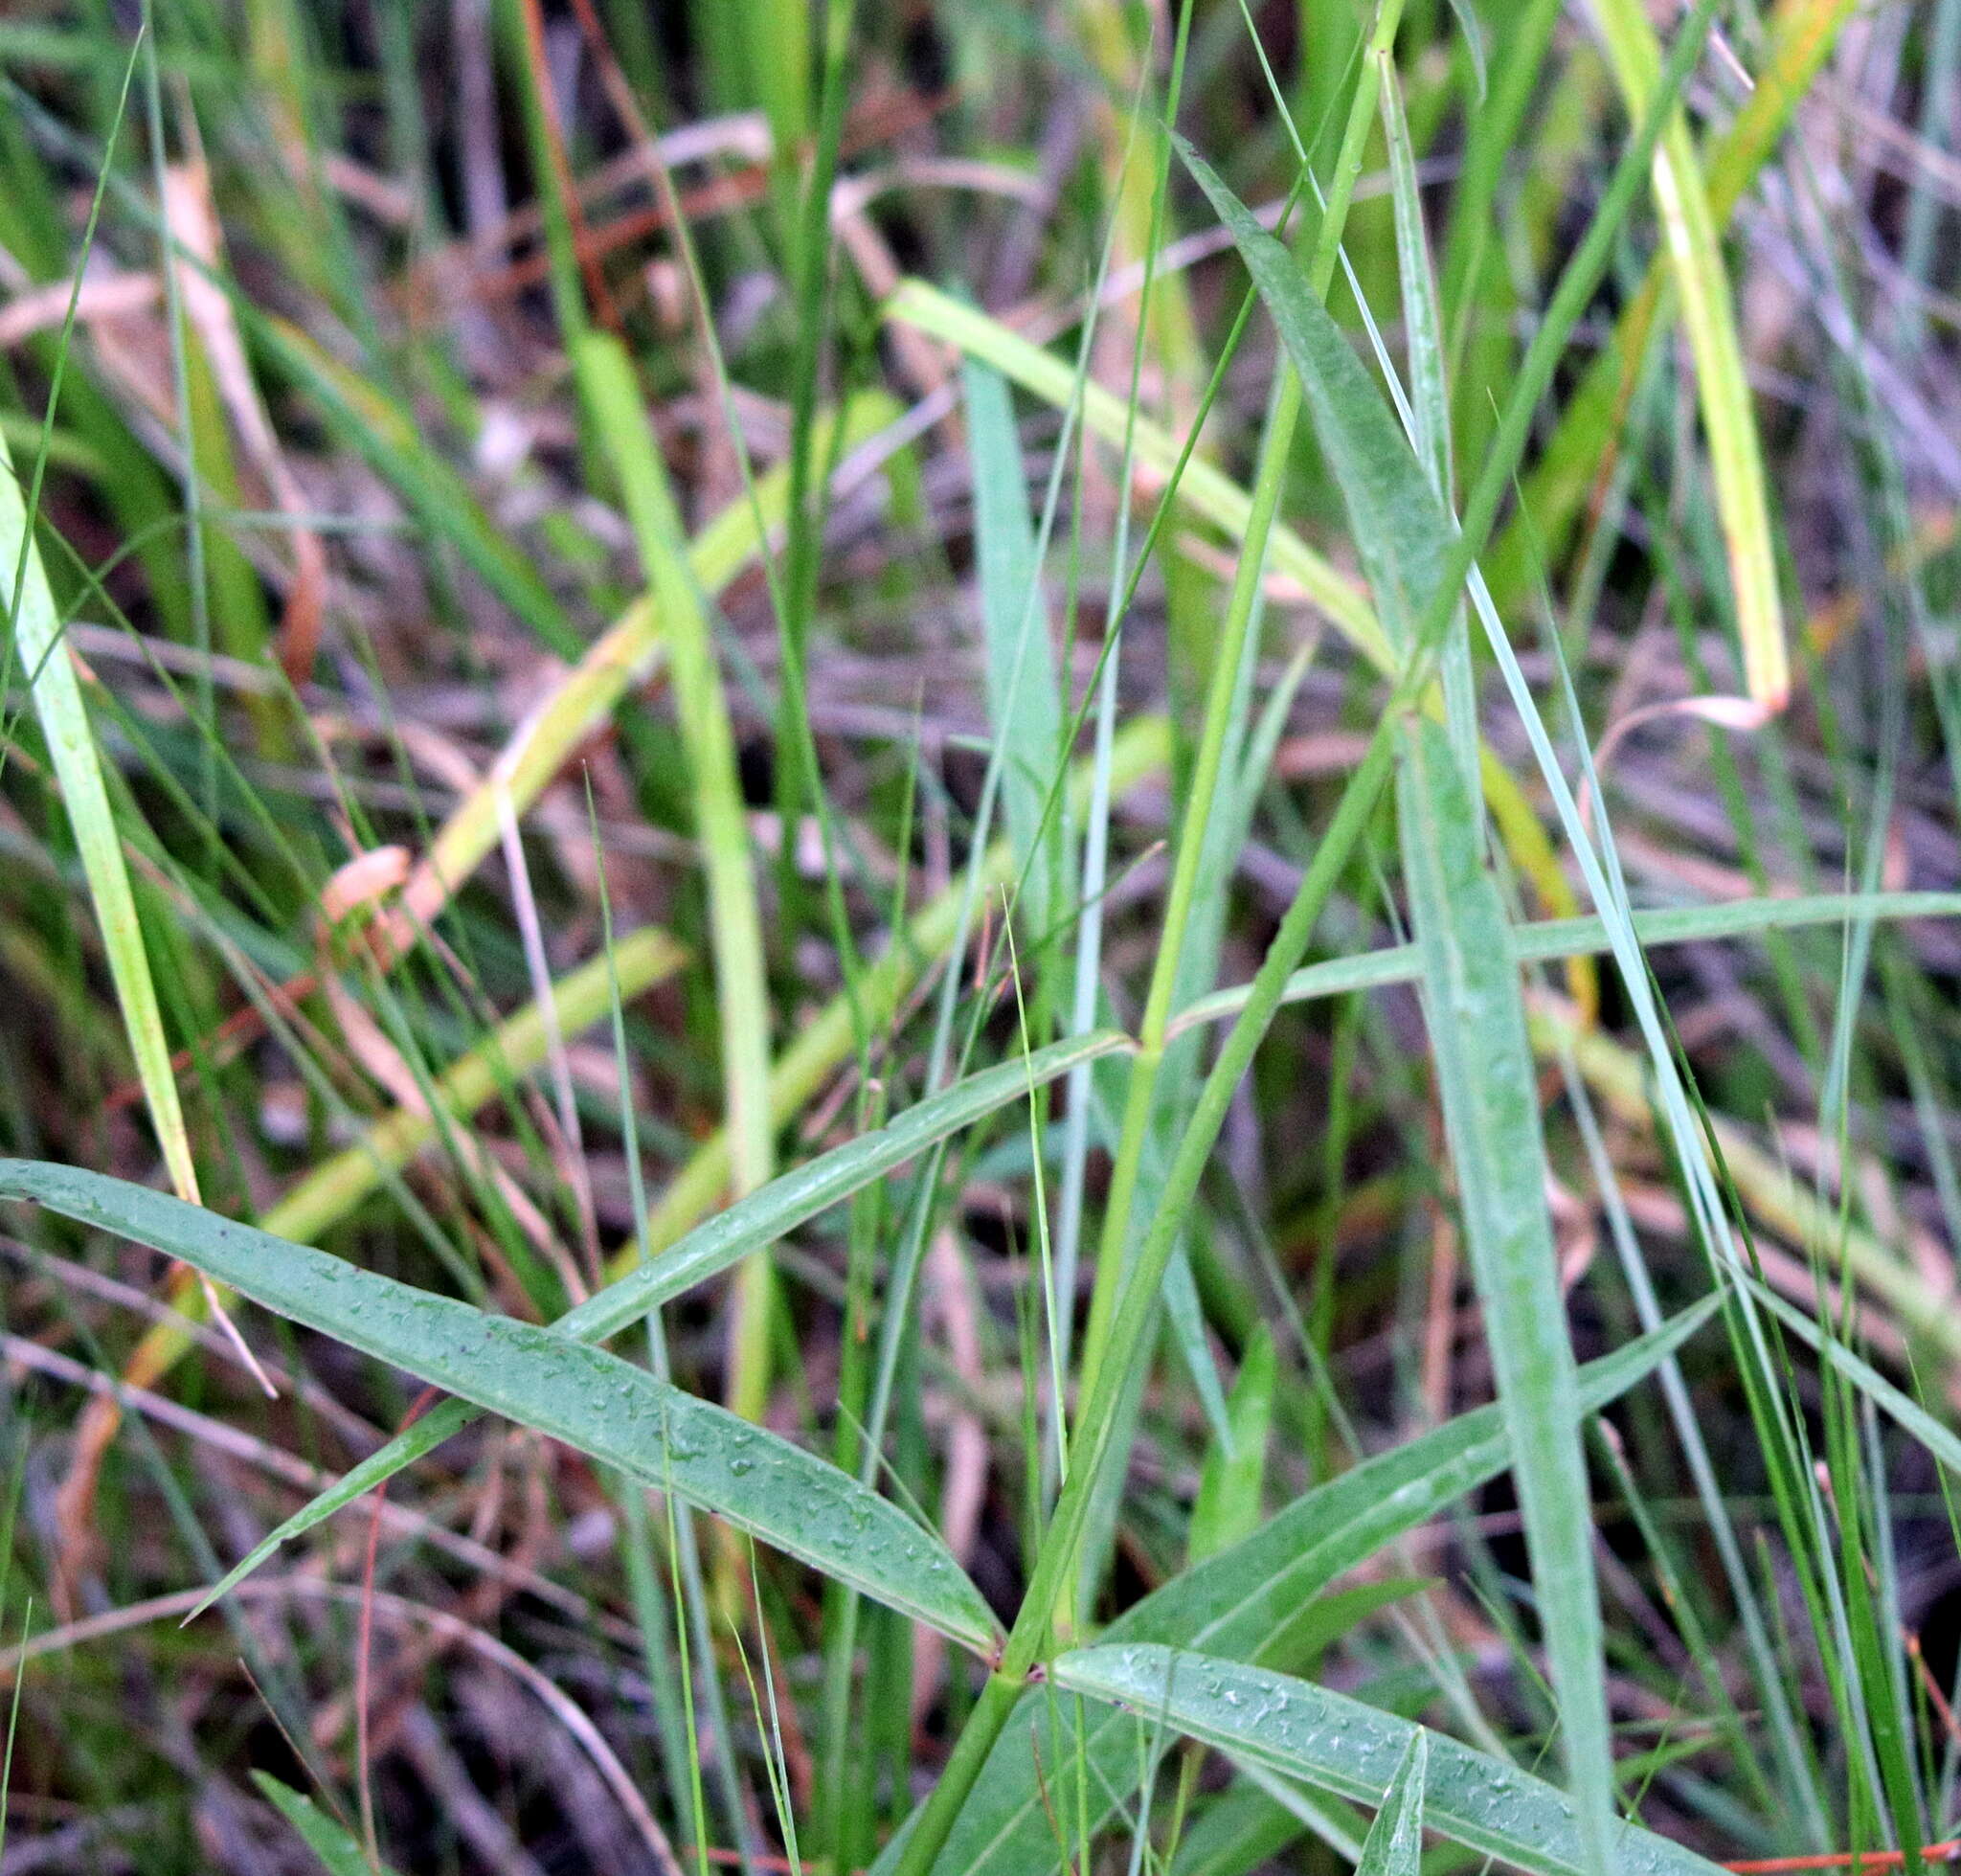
[(627, 653), (1204, 490), (1695, 254), (513, 1049)]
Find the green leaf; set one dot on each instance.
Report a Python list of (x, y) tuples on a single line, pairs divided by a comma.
[(337, 1848), (613, 398), (1900, 1407), (1473, 40), (1397, 521), (43, 661), (1227, 1507), (786, 1201), (1355, 1752), (1429, 398), (1553, 939), (1319, 1623), (1394, 1845), (1475, 1009), (1475, 1012), (1023, 691), (1247, 1602), (619, 1414)]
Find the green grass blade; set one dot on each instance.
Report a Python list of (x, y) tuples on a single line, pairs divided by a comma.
[(1241, 1830), (1139, 749), (63, 717), (1024, 690), (1227, 1505), (1156, 1101), (1475, 1009), (742, 997), (1552, 939), (795, 1196), (616, 1412), (1341, 1746), (337, 1848), (1394, 1845), (1246, 1602), (1397, 520), (725, 1240), (1429, 395), (1899, 1407)]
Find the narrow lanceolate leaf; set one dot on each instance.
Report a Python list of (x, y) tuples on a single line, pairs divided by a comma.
[(794, 1197), (1227, 1505), (1248, 1603), (1554, 938), (1429, 395), (1695, 255), (1475, 1008), (1398, 521), (721, 821), (1337, 1744), (43, 660), (1023, 691), (336, 1846), (759, 1220), (1394, 1845), (621, 1414), (1477, 1014)]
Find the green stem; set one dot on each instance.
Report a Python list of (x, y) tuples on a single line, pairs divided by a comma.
[(1276, 449), (1093, 1441), (795, 750), (1095, 1426)]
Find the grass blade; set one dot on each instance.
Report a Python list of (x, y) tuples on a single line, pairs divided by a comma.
[(1485, 1079), (731, 1235), (1023, 691), (1552, 939), (337, 1848), (1394, 1845), (620, 1413), (1245, 1603), (1476, 1012), (1400, 544), (1339, 1745), (49, 671), (1227, 1505), (1735, 454), (721, 823)]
